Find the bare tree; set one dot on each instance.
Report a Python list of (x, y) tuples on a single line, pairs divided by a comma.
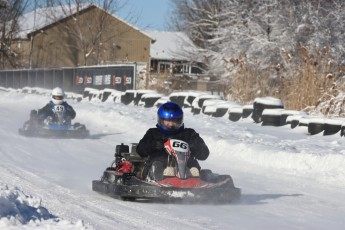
[(3, 3), (199, 17), (201, 21), (10, 11), (84, 35), (222, 29)]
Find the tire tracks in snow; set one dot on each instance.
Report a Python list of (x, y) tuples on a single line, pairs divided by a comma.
[(95, 210)]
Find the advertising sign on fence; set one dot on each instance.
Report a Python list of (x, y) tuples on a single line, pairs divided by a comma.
[(120, 77)]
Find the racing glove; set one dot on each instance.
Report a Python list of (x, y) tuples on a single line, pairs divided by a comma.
[(67, 120), (48, 120)]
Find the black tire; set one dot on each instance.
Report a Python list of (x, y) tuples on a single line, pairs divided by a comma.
[(330, 129), (342, 131), (204, 173), (196, 111), (283, 118), (246, 112), (258, 108), (125, 198), (235, 116), (271, 120), (294, 123), (220, 112), (315, 128)]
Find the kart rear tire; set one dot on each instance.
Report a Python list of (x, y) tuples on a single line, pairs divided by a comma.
[(125, 198)]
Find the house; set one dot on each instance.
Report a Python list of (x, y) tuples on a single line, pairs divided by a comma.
[(52, 38), (171, 51), (88, 47), (89, 36)]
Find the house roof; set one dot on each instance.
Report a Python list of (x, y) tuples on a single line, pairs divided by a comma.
[(166, 45), (169, 45), (43, 17), (39, 18)]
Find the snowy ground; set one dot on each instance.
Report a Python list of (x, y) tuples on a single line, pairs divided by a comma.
[(289, 180)]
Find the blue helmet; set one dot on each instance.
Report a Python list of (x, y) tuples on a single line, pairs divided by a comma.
[(170, 118)]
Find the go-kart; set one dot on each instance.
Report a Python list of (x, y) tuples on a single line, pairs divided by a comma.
[(123, 179), (56, 126)]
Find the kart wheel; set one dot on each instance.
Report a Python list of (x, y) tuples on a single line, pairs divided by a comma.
[(205, 173), (125, 198)]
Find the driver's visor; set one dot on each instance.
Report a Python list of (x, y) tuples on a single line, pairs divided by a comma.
[(57, 97), (174, 123)]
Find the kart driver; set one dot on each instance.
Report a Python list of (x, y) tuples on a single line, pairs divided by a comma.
[(169, 126), (56, 104)]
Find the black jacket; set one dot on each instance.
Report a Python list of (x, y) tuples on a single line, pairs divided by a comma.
[(48, 110), (152, 144)]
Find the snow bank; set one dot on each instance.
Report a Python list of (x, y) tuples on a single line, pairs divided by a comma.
[(22, 211)]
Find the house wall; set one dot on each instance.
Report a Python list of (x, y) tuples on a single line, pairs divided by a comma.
[(21, 47), (59, 45)]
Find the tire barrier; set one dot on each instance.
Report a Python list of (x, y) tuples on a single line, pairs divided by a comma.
[(196, 111), (293, 120), (286, 113), (112, 95), (190, 98), (139, 93), (198, 102), (148, 100), (220, 112), (235, 113), (333, 126), (220, 108), (128, 97), (264, 103), (178, 98), (247, 110), (272, 117), (316, 125), (342, 130), (161, 101), (267, 111), (210, 106), (90, 93), (304, 121)]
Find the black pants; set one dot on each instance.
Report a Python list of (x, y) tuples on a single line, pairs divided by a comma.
[(192, 162)]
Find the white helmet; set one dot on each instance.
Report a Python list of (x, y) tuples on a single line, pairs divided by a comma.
[(57, 96)]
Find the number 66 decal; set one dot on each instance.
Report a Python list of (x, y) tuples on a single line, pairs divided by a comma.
[(180, 144)]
